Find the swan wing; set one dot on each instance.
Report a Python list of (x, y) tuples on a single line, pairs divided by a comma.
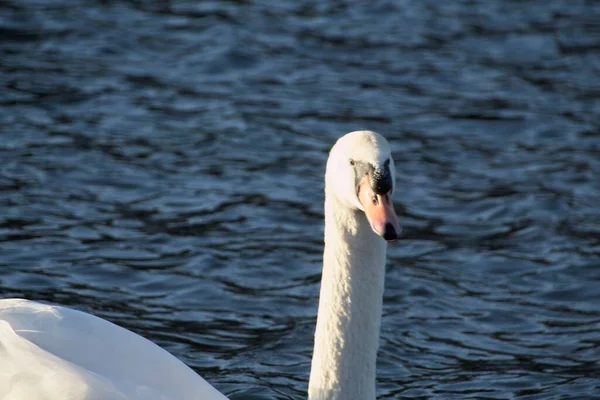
[(52, 352)]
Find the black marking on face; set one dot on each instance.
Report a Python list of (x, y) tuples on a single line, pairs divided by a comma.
[(381, 178), (361, 169)]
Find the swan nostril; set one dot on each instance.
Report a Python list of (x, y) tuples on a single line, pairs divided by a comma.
[(389, 233)]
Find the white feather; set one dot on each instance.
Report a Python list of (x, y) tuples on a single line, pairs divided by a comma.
[(56, 353)]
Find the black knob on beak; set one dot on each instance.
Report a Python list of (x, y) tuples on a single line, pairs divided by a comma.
[(381, 181)]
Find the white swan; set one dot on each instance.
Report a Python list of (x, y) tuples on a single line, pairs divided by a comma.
[(51, 352)]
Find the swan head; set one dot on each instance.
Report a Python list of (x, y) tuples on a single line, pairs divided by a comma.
[(361, 175)]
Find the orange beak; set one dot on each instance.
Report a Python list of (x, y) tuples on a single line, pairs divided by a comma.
[(380, 211)]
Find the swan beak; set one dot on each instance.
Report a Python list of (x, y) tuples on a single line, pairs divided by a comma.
[(380, 211)]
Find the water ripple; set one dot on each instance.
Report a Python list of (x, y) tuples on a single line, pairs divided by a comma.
[(161, 165)]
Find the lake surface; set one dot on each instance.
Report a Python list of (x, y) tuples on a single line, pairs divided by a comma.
[(162, 162)]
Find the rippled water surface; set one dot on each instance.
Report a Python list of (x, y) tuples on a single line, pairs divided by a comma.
[(161, 165)]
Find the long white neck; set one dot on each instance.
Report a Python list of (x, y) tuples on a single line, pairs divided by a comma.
[(349, 318)]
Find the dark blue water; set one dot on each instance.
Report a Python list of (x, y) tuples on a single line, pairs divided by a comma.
[(161, 166)]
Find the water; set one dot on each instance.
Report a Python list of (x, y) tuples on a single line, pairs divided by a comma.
[(161, 166)]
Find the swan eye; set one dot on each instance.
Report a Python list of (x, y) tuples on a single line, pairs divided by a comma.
[(352, 162)]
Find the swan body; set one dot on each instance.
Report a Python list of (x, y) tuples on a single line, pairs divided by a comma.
[(56, 353)]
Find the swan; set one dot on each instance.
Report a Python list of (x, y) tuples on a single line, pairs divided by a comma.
[(50, 352)]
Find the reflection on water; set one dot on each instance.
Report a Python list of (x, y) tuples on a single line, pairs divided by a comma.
[(161, 166)]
